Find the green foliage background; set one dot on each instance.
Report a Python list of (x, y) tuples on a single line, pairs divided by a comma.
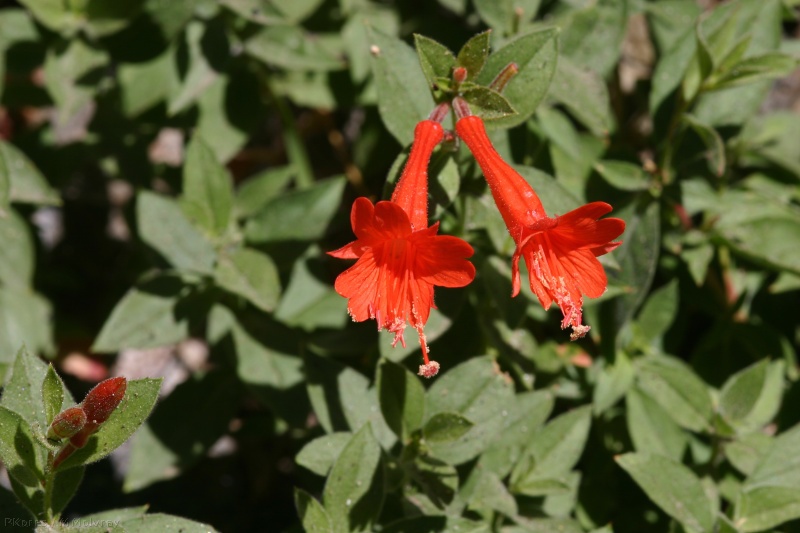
[(175, 169)]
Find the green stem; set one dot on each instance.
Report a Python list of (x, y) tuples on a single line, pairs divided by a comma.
[(295, 149), (49, 482)]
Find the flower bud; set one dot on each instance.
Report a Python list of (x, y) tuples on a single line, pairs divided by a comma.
[(67, 423), (103, 399), (98, 406)]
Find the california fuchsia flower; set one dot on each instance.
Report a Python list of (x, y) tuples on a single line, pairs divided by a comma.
[(400, 258), (560, 252)]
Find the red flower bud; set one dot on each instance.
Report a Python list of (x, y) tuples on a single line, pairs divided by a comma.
[(98, 406), (103, 399), (65, 452), (67, 423)]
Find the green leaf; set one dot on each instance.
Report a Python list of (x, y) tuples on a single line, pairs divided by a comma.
[(446, 427), (699, 68), (163, 226), (353, 493), (65, 485), (254, 194), (260, 11), (675, 386), (164, 522), (554, 450), (473, 55), (298, 10), (521, 420), (180, 432), (17, 450), (286, 218), (651, 428), (613, 382), (15, 511), (52, 394), (206, 50), (230, 109), (489, 492), (671, 486), (435, 59), (592, 35), (623, 175), (356, 37), (751, 398), (17, 252), (23, 391), (437, 480), (763, 67), (498, 14), (146, 317), (25, 183), (535, 54), (745, 452), (658, 313), (763, 508), (250, 274), (762, 21), (771, 240), (144, 85), (266, 360), (712, 140), (70, 73), (312, 514), (476, 391), (402, 398), (672, 65), (140, 398), (25, 318), (403, 94), (780, 465), (585, 95), (320, 454), (290, 47), (343, 400), (309, 303), (486, 103), (207, 188), (637, 258)]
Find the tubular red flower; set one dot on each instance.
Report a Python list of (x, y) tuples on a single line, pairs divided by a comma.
[(560, 252), (400, 258)]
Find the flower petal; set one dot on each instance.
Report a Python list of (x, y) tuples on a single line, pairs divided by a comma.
[(348, 251), (441, 260), (359, 283)]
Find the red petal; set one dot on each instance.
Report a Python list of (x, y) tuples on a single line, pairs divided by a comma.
[(441, 260), (348, 251), (359, 283)]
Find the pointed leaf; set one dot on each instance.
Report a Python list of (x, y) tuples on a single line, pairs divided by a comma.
[(671, 486), (164, 226), (250, 274), (353, 494), (402, 398), (535, 54), (435, 59), (473, 54), (404, 97), (207, 187), (446, 427), (52, 394), (312, 514)]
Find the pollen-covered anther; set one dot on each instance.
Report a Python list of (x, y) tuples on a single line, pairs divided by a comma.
[(428, 370)]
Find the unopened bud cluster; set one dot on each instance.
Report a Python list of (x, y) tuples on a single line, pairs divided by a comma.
[(78, 423)]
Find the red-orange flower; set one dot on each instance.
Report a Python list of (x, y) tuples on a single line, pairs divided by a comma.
[(400, 258), (560, 252)]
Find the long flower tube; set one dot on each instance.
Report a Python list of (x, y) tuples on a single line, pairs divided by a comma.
[(400, 258), (560, 252)]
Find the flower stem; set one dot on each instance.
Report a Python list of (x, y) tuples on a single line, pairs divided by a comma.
[(506, 75), (49, 481)]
